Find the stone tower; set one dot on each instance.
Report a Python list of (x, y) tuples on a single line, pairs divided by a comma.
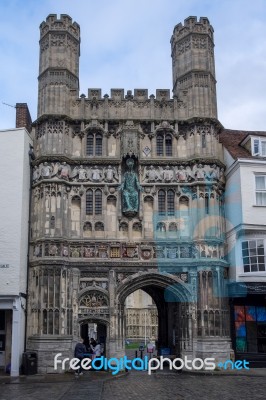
[(193, 67), (127, 194), (59, 65)]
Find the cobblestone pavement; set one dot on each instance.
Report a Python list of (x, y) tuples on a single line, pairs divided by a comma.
[(137, 385), (185, 387)]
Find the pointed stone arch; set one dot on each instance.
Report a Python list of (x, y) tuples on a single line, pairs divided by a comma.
[(164, 281)]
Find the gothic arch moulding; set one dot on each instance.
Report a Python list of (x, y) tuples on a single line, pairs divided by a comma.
[(164, 281)]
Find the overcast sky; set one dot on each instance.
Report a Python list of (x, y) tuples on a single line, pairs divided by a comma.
[(125, 44)]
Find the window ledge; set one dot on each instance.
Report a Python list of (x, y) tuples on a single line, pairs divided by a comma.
[(259, 273)]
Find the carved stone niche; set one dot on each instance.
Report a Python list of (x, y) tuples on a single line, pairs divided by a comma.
[(140, 94), (130, 143), (163, 94), (94, 93)]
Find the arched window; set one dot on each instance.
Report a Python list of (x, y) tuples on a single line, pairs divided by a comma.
[(217, 323), (166, 202), (172, 227), (52, 222), (87, 227), (89, 202), (98, 202), (211, 323), (137, 227), (161, 227), (161, 202), (184, 216), (99, 226), (207, 204), (199, 323), (168, 145), (206, 323), (90, 140), (170, 202), (94, 145), (160, 140), (94, 202), (164, 144), (123, 227), (98, 144)]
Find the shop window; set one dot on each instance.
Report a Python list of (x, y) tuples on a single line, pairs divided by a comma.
[(250, 328)]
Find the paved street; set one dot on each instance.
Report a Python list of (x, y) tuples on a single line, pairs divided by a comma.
[(136, 385)]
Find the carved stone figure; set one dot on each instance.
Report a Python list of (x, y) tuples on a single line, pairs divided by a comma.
[(213, 173), (130, 188), (222, 176), (110, 174), (168, 174), (82, 174), (199, 172), (37, 250), (65, 251), (96, 174), (181, 174), (151, 175), (64, 171), (46, 170), (53, 250), (36, 174)]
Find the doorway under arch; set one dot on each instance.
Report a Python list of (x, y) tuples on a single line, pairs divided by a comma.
[(95, 328), (173, 302)]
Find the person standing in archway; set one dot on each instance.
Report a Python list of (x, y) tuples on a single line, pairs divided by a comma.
[(80, 350)]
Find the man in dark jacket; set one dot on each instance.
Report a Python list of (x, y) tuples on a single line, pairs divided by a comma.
[(80, 350)]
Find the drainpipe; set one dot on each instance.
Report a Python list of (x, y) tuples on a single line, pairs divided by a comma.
[(31, 158)]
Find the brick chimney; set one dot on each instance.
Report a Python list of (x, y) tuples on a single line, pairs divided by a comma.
[(23, 118)]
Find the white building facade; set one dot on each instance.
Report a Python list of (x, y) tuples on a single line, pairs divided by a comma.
[(245, 156), (14, 217)]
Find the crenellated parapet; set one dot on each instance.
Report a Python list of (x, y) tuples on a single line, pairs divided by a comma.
[(121, 105), (192, 25), (64, 23)]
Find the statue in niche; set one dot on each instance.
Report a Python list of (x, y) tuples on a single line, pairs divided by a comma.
[(96, 174), (110, 174), (36, 174), (181, 174), (130, 188), (199, 172), (151, 175), (64, 171), (65, 251), (82, 174), (213, 173), (46, 170), (168, 174)]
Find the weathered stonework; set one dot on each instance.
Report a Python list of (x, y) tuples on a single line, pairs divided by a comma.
[(87, 255)]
